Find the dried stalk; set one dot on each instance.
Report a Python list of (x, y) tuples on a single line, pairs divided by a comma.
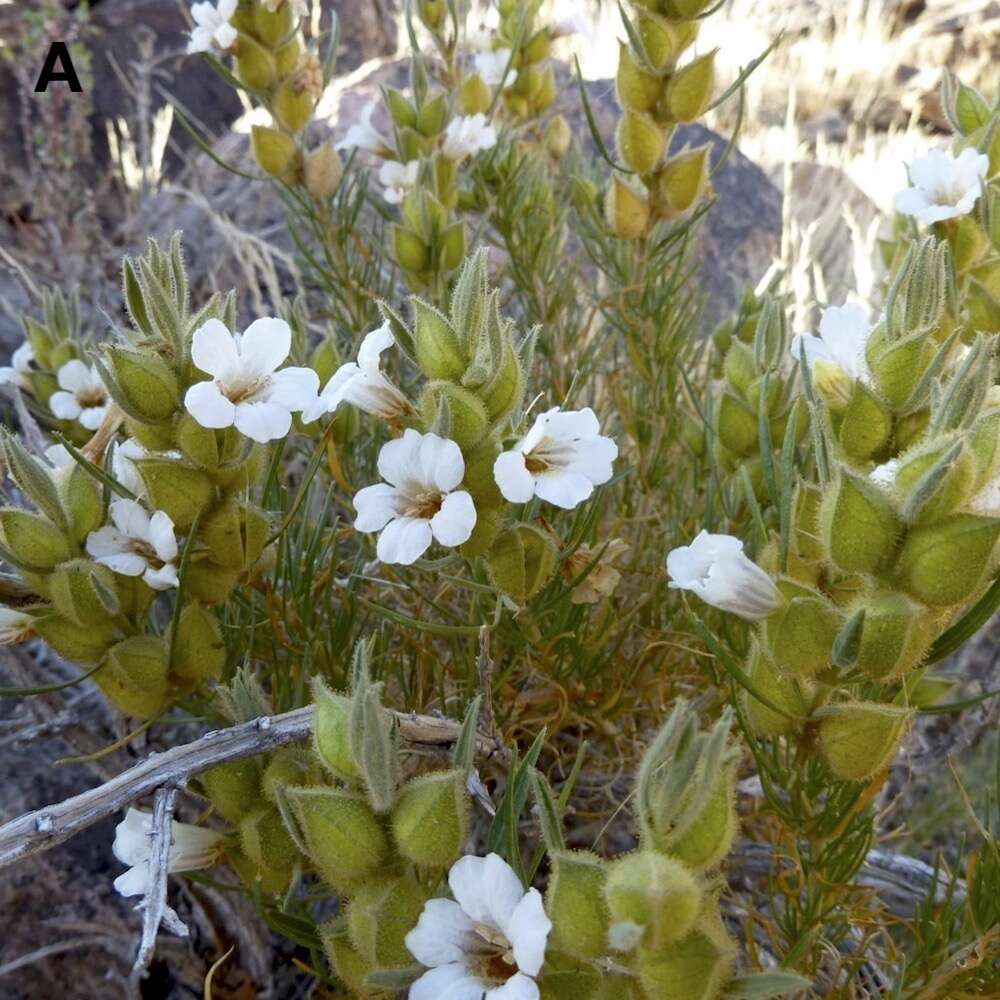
[(43, 828)]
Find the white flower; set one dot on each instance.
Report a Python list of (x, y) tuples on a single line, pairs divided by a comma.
[(59, 457), (191, 848), (137, 544), (491, 65), (716, 569), (468, 135), (18, 371), (124, 469), (246, 389), (211, 25), (397, 179), (364, 135), (419, 502), (944, 187), (362, 384), (843, 335), (488, 942), (14, 625), (81, 396), (561, 459), (884, 475)]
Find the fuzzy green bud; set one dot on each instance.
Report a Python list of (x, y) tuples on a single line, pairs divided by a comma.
[(274, 151), (576, 905), (233, 788), (331, 733), (859, 740), (412, 253), (180, 490), (558, 137), (134, 675), (695, 968), (664, 41), (345, 840), (474, 96), (401, 111), (351, 968), (641, 141), (896, 636), (683, 181), (293, 105), (865, 424), (953, 480), (708, 839), (522, 561), (737, 425), (433, 116), (86, 646), (145, 385), (287, 768), (690, 89), (208, 582), (254, 64), (431, 818), (800, 634), (198, 652), (81, 496), (638, 90), (235, 534), (31, 541), (380, 915), (898, 367), (322, 171), (944, 564), (790, 694), (83, 591), (272, 27), (655, 893), (265, 841), (626, 210), (468, 417), (439, 352), (506, 391), (858, 526)]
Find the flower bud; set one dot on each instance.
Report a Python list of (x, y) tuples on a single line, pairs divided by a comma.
[(506, 392), (984, 444), (208, 582), (380, 915), (439, 353), (233, 788), (626, 210), (293, 105), (81, 496), (952, 481), (641, 141), (453, 246), (32, 542), (474, 96), (858, 740), (558, 137), (567, 978), (865, 424), (896, 635), (522, 561), (664, 41), (401, 111), (898, 367), (255, 878), (274, 151), (943, 564), (134, 676), (198, 652), (331, 735), (432, 117), (689, 91), (323, 171), (686, 9), (235, 534), (273, 26), (638, 90), (431, 818), (805, 517), (287, 58), (683, 181), (489, 522), (180, 490), (545, 94), (576, 905), (254, 64), (288, 768), (708, 839), (857, 524), (793, 694), (83, 591), (468, 417), (350, 967), (799, 636), (86, 646), (412, 254), (695, 968), (266, 842), (145, 385), (655, 893), (737, 425), (345, 840)]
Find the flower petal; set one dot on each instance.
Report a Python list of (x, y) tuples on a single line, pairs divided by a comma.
[(133, 882), (162, 537), (594, 459), (163, 578), (205, 402), (107, 541), (438, 938), (265, 345), (404, 540), (74, 376), (486, 888), (213, 350), (398, 459), (370, 351), (125, 563), (64, 405), (441, 463), (131, 844), (293, 388), (562, 487), (131, 519), (447, 982), (512, 477), (92, 417), (518, 987), (263, 421), (376, 506), (528, 932), (453, 523)]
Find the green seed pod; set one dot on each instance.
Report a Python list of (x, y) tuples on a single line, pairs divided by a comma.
[(322, 171), (293, 106), (506, 392), (180, 490), (293, 767), (709, 838), (522, 561), (348, 965), (287, 58), (696, 968), (254, 64), (345, 840), (330, 733), (273, 27), (641, 141), (380, 915), (793, 694), (81, 496), (274, 151), (474, 96), (858, 527), (208, 582), (898, 367), (638, 90), (439, 352), (686, 9), (689, 92), (233, 788), (235, 534), (955, 475), (146, 387), (134, 676), (402, 112), (576, 905), (944, 564), (737, 426), (431, 819), (198, 652), (858, 740), (626, 210), (683, 181), (85, 646), (266, 842), (567, 978), (663, 41), (489, 524), (799, 636), (32, 542), (805, 516), (558, 137), (896, 636), (865, 424), (655, 893), (469, 419), (740, 367), (83, 591), (255, 878)]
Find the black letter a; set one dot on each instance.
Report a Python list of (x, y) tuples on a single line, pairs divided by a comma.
[(58, 55)]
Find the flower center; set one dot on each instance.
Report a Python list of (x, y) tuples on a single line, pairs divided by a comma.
[(246, 391), (424, 505), (88, 398), (491, 954), (148, 553)]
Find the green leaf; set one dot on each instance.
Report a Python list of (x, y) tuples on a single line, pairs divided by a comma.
[(764, 985)]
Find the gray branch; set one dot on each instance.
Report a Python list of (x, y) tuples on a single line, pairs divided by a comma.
[(43, 828)]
